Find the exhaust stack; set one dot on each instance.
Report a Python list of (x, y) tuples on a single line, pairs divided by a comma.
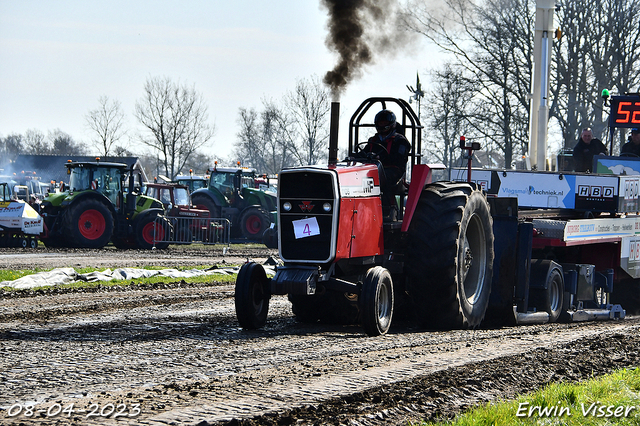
[(333, 132)]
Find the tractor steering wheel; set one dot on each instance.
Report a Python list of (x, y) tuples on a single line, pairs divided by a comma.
[(370, 155), (629, 154)]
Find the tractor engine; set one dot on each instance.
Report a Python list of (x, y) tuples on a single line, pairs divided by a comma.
[(329, 214)]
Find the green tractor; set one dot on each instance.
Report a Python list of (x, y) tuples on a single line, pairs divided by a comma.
[(234, 193), (97, 208)]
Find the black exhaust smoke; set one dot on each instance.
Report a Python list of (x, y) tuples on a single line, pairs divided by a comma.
[(333, 132), (359, 31)]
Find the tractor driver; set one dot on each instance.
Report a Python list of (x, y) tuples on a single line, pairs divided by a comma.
[(632, 147), (392, 149)]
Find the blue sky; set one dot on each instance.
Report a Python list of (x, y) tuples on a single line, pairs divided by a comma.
[(59, 57)]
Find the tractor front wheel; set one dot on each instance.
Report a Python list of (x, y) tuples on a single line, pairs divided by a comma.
[(252, 296), (376, 301)]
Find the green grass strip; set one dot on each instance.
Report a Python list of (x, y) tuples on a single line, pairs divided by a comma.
[(10, 275), (610, 400)]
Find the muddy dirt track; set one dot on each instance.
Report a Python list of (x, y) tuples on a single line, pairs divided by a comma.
[(174, 354)]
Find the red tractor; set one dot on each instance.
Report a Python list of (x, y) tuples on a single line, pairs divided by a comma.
[(187, 221), (344, 263)]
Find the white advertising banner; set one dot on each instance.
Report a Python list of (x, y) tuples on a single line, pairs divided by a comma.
[(21, 216)]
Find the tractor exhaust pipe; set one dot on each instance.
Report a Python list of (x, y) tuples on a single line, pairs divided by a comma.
[(333, 132)]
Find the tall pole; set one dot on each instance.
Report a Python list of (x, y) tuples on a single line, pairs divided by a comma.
[(418, 93), (539, 113)]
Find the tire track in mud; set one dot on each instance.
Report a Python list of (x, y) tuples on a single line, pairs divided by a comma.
[(181, 355), (177, 351)]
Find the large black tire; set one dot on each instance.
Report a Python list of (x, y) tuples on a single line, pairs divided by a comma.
[(450, 256), (270, 237), (148, 232), (253, 222), (202, 201), (376, 301), (252, 296), (89, 224)]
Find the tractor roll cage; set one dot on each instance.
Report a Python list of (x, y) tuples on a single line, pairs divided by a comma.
[(409, 124)]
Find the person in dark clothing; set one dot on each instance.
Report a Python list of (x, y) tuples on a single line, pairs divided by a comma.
[(632, 148), (585, 149), (392, 149)]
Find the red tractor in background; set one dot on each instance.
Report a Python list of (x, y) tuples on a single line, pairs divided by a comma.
[(180, 212), (343, 263)]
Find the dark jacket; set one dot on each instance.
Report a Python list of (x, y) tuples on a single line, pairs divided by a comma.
[(393, 153), (630, 148), (583, 154)]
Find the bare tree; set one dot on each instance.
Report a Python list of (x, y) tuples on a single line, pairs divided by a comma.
[(107, 121), (590, 57), (308, 109), (63, 144), (36, 143), (448, 113), (264, 139), (11, 146), (176, 117), (492, 44)]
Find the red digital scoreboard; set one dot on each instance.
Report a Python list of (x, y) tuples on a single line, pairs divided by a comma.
[(625, 111)]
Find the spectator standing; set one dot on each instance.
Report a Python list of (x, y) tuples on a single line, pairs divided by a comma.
[(584, 151)]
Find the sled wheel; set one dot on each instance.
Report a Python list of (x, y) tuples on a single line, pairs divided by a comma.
[(450, 256), (32, 242), (252, 296), (554, 296), (22, 241), (376, 301), (551, 298)]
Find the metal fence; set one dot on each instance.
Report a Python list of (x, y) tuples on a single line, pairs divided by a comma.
[(187, 230)]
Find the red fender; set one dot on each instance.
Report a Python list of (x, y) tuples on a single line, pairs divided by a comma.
[(420, 176)]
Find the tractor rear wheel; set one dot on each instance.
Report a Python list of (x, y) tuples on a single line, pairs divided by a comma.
[(206, 203), (450, 256), (252, 296), (253, 222), (151, 232), (89, 224), (376, 301)]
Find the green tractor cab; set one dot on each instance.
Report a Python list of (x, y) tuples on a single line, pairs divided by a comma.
[(96, 208), (234, 193)]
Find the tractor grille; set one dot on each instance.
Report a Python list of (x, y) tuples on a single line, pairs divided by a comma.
[(307, 190)]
